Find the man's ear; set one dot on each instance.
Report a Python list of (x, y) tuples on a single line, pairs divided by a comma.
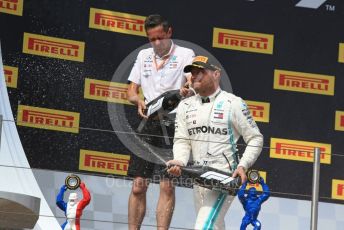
[(217, 74), (169, 32)]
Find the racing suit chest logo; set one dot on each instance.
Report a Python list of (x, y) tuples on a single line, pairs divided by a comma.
[(207, 129)]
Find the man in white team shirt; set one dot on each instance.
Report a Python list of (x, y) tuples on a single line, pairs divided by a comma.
[(156, 70), (208, 125)]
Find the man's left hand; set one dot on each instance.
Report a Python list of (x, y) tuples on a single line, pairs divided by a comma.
[(240, 171), (175, 169)]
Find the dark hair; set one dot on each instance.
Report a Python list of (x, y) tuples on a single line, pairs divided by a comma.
[(155, 20)]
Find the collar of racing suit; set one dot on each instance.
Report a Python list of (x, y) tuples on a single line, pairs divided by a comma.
[(211, 97)]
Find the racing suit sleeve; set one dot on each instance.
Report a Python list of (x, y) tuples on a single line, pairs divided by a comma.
[(181, 142), (59, 199), (247, 127), (135, 74)]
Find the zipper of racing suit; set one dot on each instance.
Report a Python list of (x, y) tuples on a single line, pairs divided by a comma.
[(231, 138), (223, 154)]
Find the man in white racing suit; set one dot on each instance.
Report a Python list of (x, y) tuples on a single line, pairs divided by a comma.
[(208, 125)]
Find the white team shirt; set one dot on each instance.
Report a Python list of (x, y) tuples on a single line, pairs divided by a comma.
[(170, 77)]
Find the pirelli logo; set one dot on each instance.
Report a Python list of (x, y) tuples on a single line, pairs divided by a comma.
[(51, 119), (200, 59), (337, 189), (259, 110), (14, 7), (257, 186), (299, 150), (339, 121), (341, 53), (304, 82), (243, 41), (53, 47), (107, 91), (117, 22), (11, 76), (104, 162)]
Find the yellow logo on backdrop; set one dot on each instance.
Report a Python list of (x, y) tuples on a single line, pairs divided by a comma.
[(51, 119), (104, 162), (53, 47), (117, 22), (337, 189), (299, 150), (243, 41), (107, 91), (304, 82), (341, 53), (259, 110), (339, 123), (14, 7), (11, 76)]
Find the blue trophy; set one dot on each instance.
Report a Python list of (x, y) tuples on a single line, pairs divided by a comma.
[(252, 202)]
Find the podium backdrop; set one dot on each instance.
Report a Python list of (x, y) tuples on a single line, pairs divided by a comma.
[(285, 58)]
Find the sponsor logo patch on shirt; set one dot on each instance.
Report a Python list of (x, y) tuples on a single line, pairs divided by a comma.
[(218, 115)]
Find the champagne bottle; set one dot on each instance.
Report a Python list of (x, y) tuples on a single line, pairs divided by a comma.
[(166, 102)]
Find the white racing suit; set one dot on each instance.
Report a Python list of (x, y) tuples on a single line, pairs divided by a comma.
[(209, 131)]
